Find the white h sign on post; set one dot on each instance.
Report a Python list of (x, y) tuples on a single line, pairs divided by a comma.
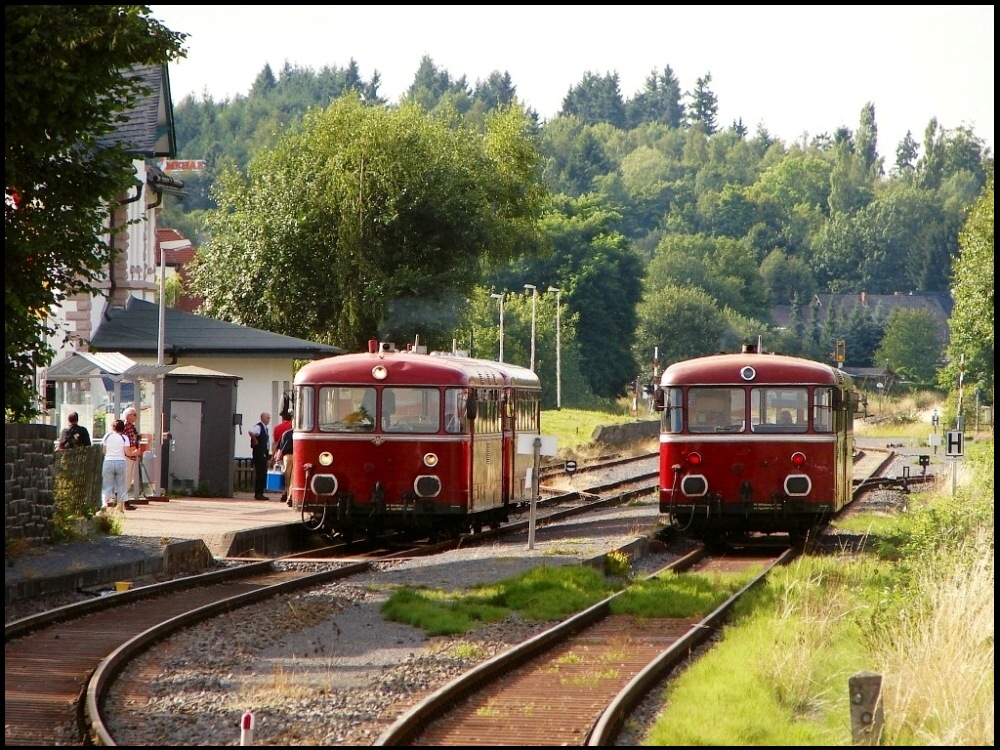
[(955, 443)]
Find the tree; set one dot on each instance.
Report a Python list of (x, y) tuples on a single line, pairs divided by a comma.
[(596, 99), (909, 346), (67, 85), (370, 222), (432, 86), (787, 278), (972, 321), (906, 155), (683, 322), (704, 107), (600, 275), (498, 90), (867, 142), (659, 101)]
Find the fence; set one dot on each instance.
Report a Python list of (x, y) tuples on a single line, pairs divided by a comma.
[(242, 475)]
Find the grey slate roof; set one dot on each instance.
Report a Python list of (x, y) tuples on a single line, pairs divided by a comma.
[(134, 331), (149, 128), (938, 304)]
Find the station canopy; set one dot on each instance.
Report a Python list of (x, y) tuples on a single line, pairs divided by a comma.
[(113, 365)]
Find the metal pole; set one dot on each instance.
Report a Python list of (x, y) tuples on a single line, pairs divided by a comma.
[(558, 346), (534, 300), (156, 439), (532, 515), (500, 300), (501, 327)]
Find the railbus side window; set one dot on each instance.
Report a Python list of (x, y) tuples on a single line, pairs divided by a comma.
[(528, 411), (823, 410), (304, 402), (488, 413), (672, 417), (454, 410), (716, 410)]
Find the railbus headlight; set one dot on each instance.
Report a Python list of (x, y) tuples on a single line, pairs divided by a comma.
[(430, 460), (325, 458)]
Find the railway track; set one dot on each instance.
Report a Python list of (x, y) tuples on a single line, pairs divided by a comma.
[(44, 685), (575, 683), (49, 657), (56, 695)]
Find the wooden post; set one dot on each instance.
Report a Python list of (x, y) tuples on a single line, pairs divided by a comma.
[(866, 708)]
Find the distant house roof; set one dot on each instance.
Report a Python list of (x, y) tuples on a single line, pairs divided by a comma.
[(938, 304), (134, 330), (148, 129)]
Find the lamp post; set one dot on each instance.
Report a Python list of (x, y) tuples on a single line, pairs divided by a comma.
[(500, 298), (534, 302), (558, 348)]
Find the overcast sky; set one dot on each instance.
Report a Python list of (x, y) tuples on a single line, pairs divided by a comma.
[(798, 70)]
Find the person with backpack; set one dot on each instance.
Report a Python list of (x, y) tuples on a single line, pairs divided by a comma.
[(260, 448), (75, 435)]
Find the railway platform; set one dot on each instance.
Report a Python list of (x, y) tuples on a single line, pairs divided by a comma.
[(186, 535), (158, 538)]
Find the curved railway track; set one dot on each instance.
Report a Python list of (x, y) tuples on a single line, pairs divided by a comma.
[(50, 657), (54, 695)]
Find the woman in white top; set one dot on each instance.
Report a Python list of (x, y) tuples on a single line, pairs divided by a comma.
[(113, 472)]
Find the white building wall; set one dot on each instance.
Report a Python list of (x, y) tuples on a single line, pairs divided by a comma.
[(78, 317), (264, 381)]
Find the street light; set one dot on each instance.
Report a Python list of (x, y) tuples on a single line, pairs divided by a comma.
[(534, 302), (558, 348), (500, 298)]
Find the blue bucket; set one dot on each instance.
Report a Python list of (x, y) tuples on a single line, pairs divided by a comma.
[(275, 481)]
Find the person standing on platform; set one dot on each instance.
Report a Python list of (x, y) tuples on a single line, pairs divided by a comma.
[(131, 416), (114, 489), (283, 461), (75, 435), (284, 425), (261, 450)]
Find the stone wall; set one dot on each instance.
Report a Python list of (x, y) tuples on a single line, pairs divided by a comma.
[(629, 432), (29, 482)]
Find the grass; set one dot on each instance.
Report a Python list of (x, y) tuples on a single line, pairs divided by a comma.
[(917, 610), (544, 593), (574, 428)]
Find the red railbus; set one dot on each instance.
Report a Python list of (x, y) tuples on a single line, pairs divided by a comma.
[(754, 442), (390, 440)]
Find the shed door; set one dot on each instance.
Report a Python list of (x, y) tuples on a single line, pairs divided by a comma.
[(185, 450)]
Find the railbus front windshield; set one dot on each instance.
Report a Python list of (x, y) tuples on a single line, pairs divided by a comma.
[(769, 409), (411, 409)]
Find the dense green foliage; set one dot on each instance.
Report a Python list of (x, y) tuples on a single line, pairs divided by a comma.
[(972, 323), (909, 347), (651, 193), (66, 85), (366, 222)]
